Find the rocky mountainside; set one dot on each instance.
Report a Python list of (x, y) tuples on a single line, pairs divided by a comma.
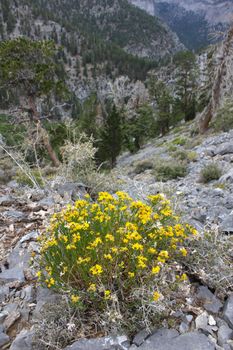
[(195, 22), (204, 319), (100, 40)]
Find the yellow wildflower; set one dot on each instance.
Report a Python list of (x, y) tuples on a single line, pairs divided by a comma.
[(137, 246), (75, 298), (109, 237), (108, 256), (131, 274), (184, 277), (155, 270), (107, 294), (183, 251), (156, 296), (92, 287), (96, 270)]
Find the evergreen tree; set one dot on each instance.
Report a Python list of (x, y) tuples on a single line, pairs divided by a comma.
[(164, 104), (186, 83), (111, 135)]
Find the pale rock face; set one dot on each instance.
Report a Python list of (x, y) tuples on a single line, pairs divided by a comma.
[(194, 21), (215, 11)]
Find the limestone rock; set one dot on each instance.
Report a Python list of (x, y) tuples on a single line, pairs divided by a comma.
[(23, 341), (228, 311), (4, 339), (187, 341), (210, 302), (224, 334), (105, 343)]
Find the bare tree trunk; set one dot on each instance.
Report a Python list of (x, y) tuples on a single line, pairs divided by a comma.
[(43, 132), (208, 113)]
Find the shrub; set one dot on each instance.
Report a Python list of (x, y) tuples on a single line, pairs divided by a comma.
[(110, 257), (143, 165), (185, 156), (34, 176), (181, 141), (171, 148), (170, 170), (210, 172)]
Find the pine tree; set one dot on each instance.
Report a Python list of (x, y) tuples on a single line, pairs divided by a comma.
[(111, 135), (186, 83)]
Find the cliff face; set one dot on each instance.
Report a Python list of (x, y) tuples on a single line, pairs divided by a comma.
[(195, 22)]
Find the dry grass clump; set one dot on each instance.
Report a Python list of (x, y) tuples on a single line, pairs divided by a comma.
[(210, 260)]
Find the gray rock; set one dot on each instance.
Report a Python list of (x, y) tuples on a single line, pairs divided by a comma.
[(28, 294), (228, 311), (3, 315), (224, 334), (6, 200), (46, 202), (228, 177), (210, 302), (30, 236), (227, 224), (187, 341), (105, 343), (11, 319), (140, 337), (225, 148), (184, 327), (23, 341), (188, 318), (12, 275), (4, 339), (14, 214), (44, 296), (201, 321), (4, 291), (229, 203)]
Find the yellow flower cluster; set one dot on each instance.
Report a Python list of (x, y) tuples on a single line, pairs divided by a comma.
[(93, 248)]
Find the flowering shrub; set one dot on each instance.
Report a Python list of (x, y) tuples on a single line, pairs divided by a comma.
[(104, 253)]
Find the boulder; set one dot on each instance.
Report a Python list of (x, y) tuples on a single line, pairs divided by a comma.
[(169, 340), (105, 343), (23, 341), (228, 311), (225, 148)]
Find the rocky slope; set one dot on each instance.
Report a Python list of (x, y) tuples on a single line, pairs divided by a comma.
[(193, 21), (205, 320)]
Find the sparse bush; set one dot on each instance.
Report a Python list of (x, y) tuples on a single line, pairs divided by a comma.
[(78, 159), (180, 155), (210, 172), (192, 156), (112, 257), (143, 165), (171, 148), (183, 155), (170, 170), (180, 141)]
